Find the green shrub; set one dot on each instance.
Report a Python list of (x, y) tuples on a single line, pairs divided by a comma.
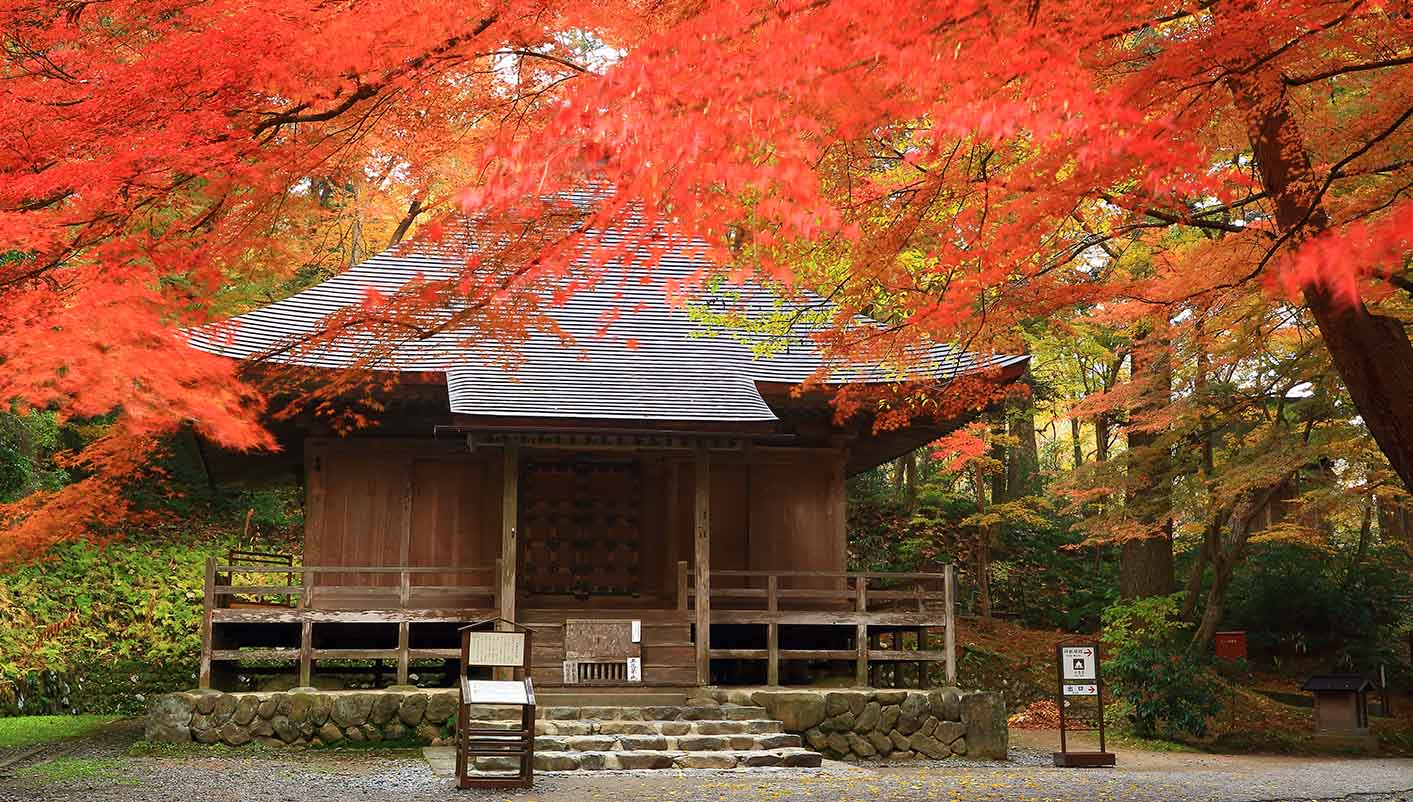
[(1294, 600), (98, 629), (1169, 691)]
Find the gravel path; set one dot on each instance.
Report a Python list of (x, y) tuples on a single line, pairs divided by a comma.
[(100, 771)]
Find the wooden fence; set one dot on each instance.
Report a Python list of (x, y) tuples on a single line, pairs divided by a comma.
[(870, 605), (799, 598)]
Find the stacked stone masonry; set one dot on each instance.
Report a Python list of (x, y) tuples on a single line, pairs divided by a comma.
[(733, 728), (892, 725)]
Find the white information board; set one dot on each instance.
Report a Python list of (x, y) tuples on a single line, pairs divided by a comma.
[(635, 669), (491, 692), (1081, 690), (1077, 662), (496, 649)]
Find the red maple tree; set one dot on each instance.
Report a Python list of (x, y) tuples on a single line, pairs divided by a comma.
[(950, 168)]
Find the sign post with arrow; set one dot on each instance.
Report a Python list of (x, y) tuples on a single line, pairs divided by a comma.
[(1079, 680)]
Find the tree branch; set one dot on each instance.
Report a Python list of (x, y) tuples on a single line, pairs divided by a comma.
[(1302, 80)]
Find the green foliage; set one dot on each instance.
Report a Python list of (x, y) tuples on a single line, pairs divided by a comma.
[(69, 769), (1037, 574), (1040, 577), (96, 629), (1293, 600), (1169, 691), (27, 445), (30, 730)]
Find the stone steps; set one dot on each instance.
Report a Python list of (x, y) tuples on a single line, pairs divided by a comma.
[(648, 759), (668, 727), (698, 712), (605, 697), (633, 738), (653, 712), (683, 743)]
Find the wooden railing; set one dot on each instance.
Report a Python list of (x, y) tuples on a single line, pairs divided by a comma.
[(304, 601), (220, 584), (871, 603), (929, 603)]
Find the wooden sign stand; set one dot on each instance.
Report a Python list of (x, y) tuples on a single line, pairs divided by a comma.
[(1078, 675), (497, 643)]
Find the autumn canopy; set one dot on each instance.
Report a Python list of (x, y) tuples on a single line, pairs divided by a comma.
[(955, 169)]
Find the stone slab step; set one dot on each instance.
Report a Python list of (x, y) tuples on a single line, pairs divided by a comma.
[(442, 760), (641, 712), (576, 727), (684, 743), (792, 757), (703, 712), (598, 697)]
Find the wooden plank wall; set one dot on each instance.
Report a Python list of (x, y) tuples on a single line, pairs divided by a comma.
[(771, 509), (354, 512), (456, 514), (797, 514), (357, 513)]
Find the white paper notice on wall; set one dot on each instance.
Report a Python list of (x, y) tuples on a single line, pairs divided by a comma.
[(635, 669), (637, 631)]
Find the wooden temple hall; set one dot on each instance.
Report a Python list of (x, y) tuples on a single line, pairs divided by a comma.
[(650, 498)]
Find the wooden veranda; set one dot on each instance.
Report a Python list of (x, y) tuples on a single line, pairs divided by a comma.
[(869, 606)]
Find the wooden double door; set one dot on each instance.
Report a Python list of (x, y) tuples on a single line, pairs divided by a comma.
[(580, 528)]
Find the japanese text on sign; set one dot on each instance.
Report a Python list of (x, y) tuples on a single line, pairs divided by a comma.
[(1077, 662)]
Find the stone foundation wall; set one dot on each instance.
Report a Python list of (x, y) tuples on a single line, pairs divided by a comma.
[(895, 725), (864, 724), (303, 716)]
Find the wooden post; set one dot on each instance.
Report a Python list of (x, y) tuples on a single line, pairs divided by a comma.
[(949, 622), (772, 632), (923, 681), (702, 561), (403, 662), (875, 641), (509, 511), (306, 653), (404, 554), (208, 601), (861, 632), (682, 585)]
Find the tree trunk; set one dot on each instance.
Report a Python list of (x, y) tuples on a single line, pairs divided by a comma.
[(1146, 564), (1101, 438), (910, 481), (1216, 606), (1226, 556), (1076, 441), (413, 210), (1395, 520), (999, 452), (1210, 544), (1372, 353), (1023, 461), (983, 551), (1361, 549)]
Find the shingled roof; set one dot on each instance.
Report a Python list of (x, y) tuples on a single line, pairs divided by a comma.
[(655, 361)]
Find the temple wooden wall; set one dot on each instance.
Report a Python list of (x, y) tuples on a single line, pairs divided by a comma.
[(431, 503)]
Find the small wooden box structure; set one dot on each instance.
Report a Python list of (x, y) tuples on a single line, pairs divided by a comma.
[(1341, 703), (496, 643), (598, 651), (1230, 645)]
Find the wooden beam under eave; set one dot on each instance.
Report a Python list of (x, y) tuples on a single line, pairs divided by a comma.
[(509, 513), (701, 475)]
